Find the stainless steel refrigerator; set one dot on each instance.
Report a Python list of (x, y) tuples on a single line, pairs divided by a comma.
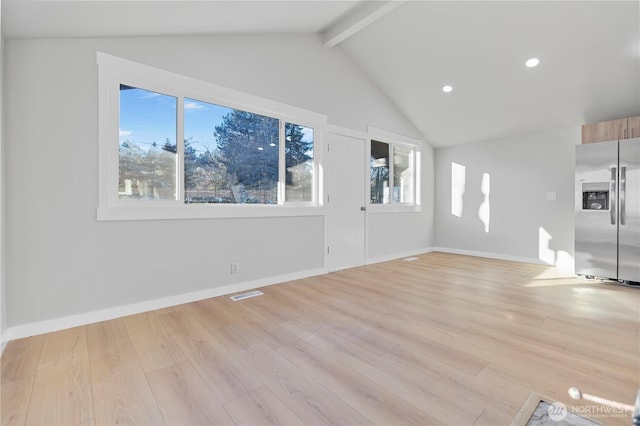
[(607, 236)]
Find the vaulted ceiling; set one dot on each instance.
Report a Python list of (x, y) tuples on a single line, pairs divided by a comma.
[(589, 51)]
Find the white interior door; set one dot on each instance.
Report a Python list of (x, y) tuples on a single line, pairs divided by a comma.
[(345, 180)]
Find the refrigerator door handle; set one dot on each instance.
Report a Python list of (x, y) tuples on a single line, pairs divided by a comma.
[(623, 195), (613, 202)]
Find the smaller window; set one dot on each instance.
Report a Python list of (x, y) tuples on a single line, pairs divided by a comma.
[(393, 174), (379, 173), (403, 175)]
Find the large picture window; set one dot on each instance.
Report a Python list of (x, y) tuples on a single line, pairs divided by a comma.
[(169, 143)]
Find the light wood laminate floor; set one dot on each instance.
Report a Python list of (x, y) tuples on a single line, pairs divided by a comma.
[(445, 339)]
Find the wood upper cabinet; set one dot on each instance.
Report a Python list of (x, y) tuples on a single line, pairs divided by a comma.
[(633, 127), (613, 130), (604, 131)]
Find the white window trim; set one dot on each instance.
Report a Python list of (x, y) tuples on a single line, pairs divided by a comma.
[(396, 140), (112, 71)]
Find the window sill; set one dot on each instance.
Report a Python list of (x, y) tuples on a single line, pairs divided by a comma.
[(204, 211)]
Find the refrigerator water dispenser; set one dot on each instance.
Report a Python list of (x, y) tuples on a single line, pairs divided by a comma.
[(595, 196)]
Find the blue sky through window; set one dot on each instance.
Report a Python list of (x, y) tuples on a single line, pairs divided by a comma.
[(200, 120), (147, 117)]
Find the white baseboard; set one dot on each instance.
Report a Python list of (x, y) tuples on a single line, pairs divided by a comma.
[(474, 253), (490, 255), (395, 256), (41, 327)]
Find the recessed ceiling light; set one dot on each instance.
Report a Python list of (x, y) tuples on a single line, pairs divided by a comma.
[(447, 89), (532, 62)]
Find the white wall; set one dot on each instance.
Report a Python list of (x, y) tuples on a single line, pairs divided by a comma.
[(523, 223), (63, 262), (393, 234), (3, 298)]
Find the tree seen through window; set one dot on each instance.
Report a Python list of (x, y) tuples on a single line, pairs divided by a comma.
[(230, 155)]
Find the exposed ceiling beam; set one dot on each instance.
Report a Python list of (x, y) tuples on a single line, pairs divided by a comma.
[(358, 19)]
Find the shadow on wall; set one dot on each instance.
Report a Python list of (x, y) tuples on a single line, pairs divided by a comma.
[(471, 202)]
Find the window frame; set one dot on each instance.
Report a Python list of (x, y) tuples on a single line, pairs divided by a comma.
[(405, 142), (113, 71)]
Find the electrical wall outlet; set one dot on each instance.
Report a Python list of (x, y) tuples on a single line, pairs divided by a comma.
[(235, 267)]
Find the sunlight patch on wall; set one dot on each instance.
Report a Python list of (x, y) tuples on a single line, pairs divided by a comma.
[(484, 212), (565, 261), (458, 183), (561, 258), (545, 254)]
